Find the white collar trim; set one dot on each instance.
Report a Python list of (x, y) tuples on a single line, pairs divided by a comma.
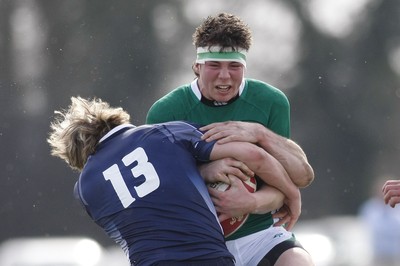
[(115, 129), (197, 92)]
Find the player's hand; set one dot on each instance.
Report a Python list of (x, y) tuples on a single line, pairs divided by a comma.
[(218, 170), (294, 207), (391, 192), (282, 216), (230, 131), (235, 201)]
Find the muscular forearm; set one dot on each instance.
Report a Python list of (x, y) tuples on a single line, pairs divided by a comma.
[(288, 153), (267, 199), (268, 168), (271, 171)]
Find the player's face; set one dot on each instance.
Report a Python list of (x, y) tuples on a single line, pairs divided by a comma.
[(220, 81)]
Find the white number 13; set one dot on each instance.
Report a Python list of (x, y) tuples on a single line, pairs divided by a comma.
[(143, 167)]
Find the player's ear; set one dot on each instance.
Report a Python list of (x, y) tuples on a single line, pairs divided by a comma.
[(196, 67)]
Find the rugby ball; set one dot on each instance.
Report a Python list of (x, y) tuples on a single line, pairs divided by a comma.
[(233, 224)]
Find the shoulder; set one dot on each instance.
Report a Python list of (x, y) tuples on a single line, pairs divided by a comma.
[(262, 87), (173, 96), (180, 126), (164, 108), (258, 90)]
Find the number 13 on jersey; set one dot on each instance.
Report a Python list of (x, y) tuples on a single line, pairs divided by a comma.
[(143, 167)]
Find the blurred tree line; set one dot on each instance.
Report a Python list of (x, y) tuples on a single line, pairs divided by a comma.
[(344, 100)]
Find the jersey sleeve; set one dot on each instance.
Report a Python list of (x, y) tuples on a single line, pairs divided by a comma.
[(158, 113), (77, 195), (189, 135), (167, 108), (276, 106), (280, 116), (202, 150)]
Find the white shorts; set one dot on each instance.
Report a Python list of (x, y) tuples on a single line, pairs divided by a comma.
[(249, 250)]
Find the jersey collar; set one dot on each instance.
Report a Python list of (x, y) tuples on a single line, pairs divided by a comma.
[(114, 130), (196, 90)]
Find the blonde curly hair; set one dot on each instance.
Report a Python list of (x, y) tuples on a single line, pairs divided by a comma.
[(76, 131)]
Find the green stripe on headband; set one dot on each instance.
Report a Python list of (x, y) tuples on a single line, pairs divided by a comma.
[(208, 56), (214, 53)]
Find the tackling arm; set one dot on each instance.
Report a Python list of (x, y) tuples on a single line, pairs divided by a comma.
[(266, 167), (286, 151)]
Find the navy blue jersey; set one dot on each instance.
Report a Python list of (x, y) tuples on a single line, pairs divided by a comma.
[(143, 188)]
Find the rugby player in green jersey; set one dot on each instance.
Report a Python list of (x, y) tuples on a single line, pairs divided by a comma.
[(236, 108)]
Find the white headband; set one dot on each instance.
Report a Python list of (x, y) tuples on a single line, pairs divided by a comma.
[(213, 53)]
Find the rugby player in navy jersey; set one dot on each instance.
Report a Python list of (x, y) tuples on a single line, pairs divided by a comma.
[(142, 186)]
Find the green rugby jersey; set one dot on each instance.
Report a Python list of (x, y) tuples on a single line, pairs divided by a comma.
[(258, 102)]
